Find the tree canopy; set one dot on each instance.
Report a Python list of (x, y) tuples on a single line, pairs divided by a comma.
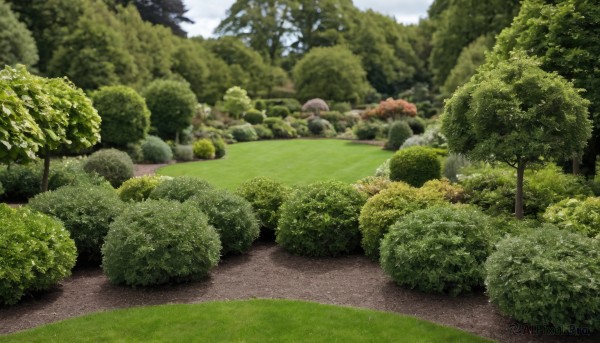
[(169, 13), (17, 45)]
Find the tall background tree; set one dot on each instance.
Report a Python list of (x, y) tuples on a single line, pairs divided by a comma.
[(169, 13), (16, 42)]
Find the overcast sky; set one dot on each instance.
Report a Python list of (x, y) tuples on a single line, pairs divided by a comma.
[(208, 13)]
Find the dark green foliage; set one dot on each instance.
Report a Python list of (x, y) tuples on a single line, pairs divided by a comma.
[(125, 116), (169, 13), (243, 133), (341, 107), (278, 111), (321, 127), (415, 166), (134, 150), (139, 188), (232, 216), (114, 165), (86, 212), (220, 146), (367, 130), (155, 150), (159, 241), (172, 106), (37, 252), (280, 128), (266, 197), (260, 105), (263, 132), (399, 132), (417, 125), (547, 277), (17, 46), (321, 220), (292, 104), (581, 216), (254, 117), (441, 249), (180, 188), (183, 152), (204, 149), (301, 127)]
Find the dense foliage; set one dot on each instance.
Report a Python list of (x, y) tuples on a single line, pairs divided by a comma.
[(139, 188), (582, 216), (17, 46), (266, 197), (399, 132), (415, 166), (114, 165), (204, 149), (179, 188), (155, 150)]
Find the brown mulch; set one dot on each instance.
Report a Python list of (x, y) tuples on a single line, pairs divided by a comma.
[(267, 271), (146, 169)]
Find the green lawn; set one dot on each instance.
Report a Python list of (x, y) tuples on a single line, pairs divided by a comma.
[(244, 321), (294, 162)]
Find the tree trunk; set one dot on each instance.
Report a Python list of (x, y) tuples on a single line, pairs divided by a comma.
[(575, 166), (46, 172), (519, 195)]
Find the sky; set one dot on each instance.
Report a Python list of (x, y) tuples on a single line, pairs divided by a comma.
[(208, 13)]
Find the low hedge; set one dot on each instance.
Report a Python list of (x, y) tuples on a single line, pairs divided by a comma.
[(179, 188), (415, 166)]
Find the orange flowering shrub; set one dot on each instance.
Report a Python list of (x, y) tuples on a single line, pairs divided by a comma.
[(392, 109)]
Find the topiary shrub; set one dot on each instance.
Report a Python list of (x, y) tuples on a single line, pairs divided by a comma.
[(37, 252), (204, 149), (160, 241), (280, 128), (183, 152), (365, 130), (266, 197), (172, 106), (315, 106), (278, 111), (139, 188), (179, 188), (441, 249), (254, 117), (125, 116), (321, 220), (415, 166), (86, 212), (321, 127), (232, 217), (263, 132), (114, 165), (398, 134), (386, 208), (220, 146), (547, 277), (581, 216), (156, 150), (243, 133)]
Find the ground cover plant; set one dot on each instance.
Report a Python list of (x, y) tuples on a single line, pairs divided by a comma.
[(295, 162)]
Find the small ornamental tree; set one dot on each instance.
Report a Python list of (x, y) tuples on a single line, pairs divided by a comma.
[(315, 106), (392, 109), (514, 112), (236, 101)]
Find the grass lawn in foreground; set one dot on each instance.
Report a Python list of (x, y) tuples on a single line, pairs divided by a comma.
[(294, 162), (244, 321)]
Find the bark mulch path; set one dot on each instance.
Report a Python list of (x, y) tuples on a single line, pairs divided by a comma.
[(146, 169), (267, 271)]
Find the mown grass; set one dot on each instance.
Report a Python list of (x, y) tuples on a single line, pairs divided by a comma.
[(244, 321), (294, 162)]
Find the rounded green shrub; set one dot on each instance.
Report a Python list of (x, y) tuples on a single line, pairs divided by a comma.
[(172, 106), (220, 146), (387, 207), (321, 127), (416, 124), (156, 150), (159, 241), (366, 130), (254, 117), (280, 128), (415, 166), (398, 134), (37, 252), (321, 220), (125, 116), (243, 133), (139, 188), (263, 132), (204, 149), (439, 249), (86, 212), (232, 217), (278, 111), (179, 188), (114, 165), (547, 277), (301, 127), (183, 152), (266, 197), (260, 105), (582, 216)]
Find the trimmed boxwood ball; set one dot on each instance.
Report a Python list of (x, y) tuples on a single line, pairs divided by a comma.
[(398, 134), (86, 211), (254, 117), (581, 216), (114, 165), (204, 149), (266, 197), (243, 133), (156, 150), (278, 111), (232, 216), (179, 188), (37, 252), (139, 188), (415, 166), (321, 219), (441, 249), (547, 277), (159, 241), (386, 208)]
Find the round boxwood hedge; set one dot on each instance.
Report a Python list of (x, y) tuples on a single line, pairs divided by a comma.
[(232, 216), (439, 249), (139, 188), (204, 149), (399, 132), (266, 197), (179, 188), (37, 252), (547, 277), (86, 212), (220, 146), (321, 219), (159, 241), (243, 133), (254, 117), (582, 216), (155, 150), (415, 166), (114, 165)]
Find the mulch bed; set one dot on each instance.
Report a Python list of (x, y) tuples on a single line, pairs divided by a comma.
[(267, 271)]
